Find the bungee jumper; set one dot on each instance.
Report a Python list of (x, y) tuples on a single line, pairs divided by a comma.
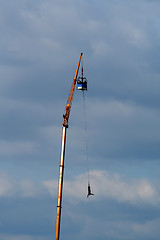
[(89, 191)]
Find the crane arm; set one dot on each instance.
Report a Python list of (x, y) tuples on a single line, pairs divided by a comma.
[(70, 98), (61, 170)]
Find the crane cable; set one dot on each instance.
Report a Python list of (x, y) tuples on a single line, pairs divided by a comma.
[(86, 137), (85, 127)]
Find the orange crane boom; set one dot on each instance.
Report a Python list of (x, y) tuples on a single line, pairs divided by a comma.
[(70, 98), (61, 170)]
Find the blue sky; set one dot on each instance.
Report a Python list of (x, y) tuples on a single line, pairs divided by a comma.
[(40, 46)]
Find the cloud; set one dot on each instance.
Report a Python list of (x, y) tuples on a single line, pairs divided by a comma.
[(121, 206), (125, 190), (7, 186), (51, 186), (40, 45), (26, 188), (106, 185)]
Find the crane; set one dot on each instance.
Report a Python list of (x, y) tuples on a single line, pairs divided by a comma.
[(81, 85)]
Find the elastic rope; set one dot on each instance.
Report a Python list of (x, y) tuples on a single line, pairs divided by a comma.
[(86, 137)]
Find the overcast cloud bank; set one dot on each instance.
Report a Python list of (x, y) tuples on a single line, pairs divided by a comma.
[(40, 45), (105, 185)]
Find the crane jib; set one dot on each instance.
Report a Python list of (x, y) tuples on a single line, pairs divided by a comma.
[(70, 98), (64, 131)]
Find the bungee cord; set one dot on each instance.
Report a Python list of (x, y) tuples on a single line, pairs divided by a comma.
[(86, 137)]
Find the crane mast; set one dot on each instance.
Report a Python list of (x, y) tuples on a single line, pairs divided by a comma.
[(63, 144)]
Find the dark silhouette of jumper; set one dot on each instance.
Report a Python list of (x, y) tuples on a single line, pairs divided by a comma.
[(89, 191)]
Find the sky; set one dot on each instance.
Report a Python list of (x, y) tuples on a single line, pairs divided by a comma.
[(40, 45)]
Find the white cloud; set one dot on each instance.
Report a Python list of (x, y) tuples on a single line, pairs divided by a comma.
[(106, 185), (28, 188), (9, 187), (42, 41), (103, 184), (124, 190), (51, 186)]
